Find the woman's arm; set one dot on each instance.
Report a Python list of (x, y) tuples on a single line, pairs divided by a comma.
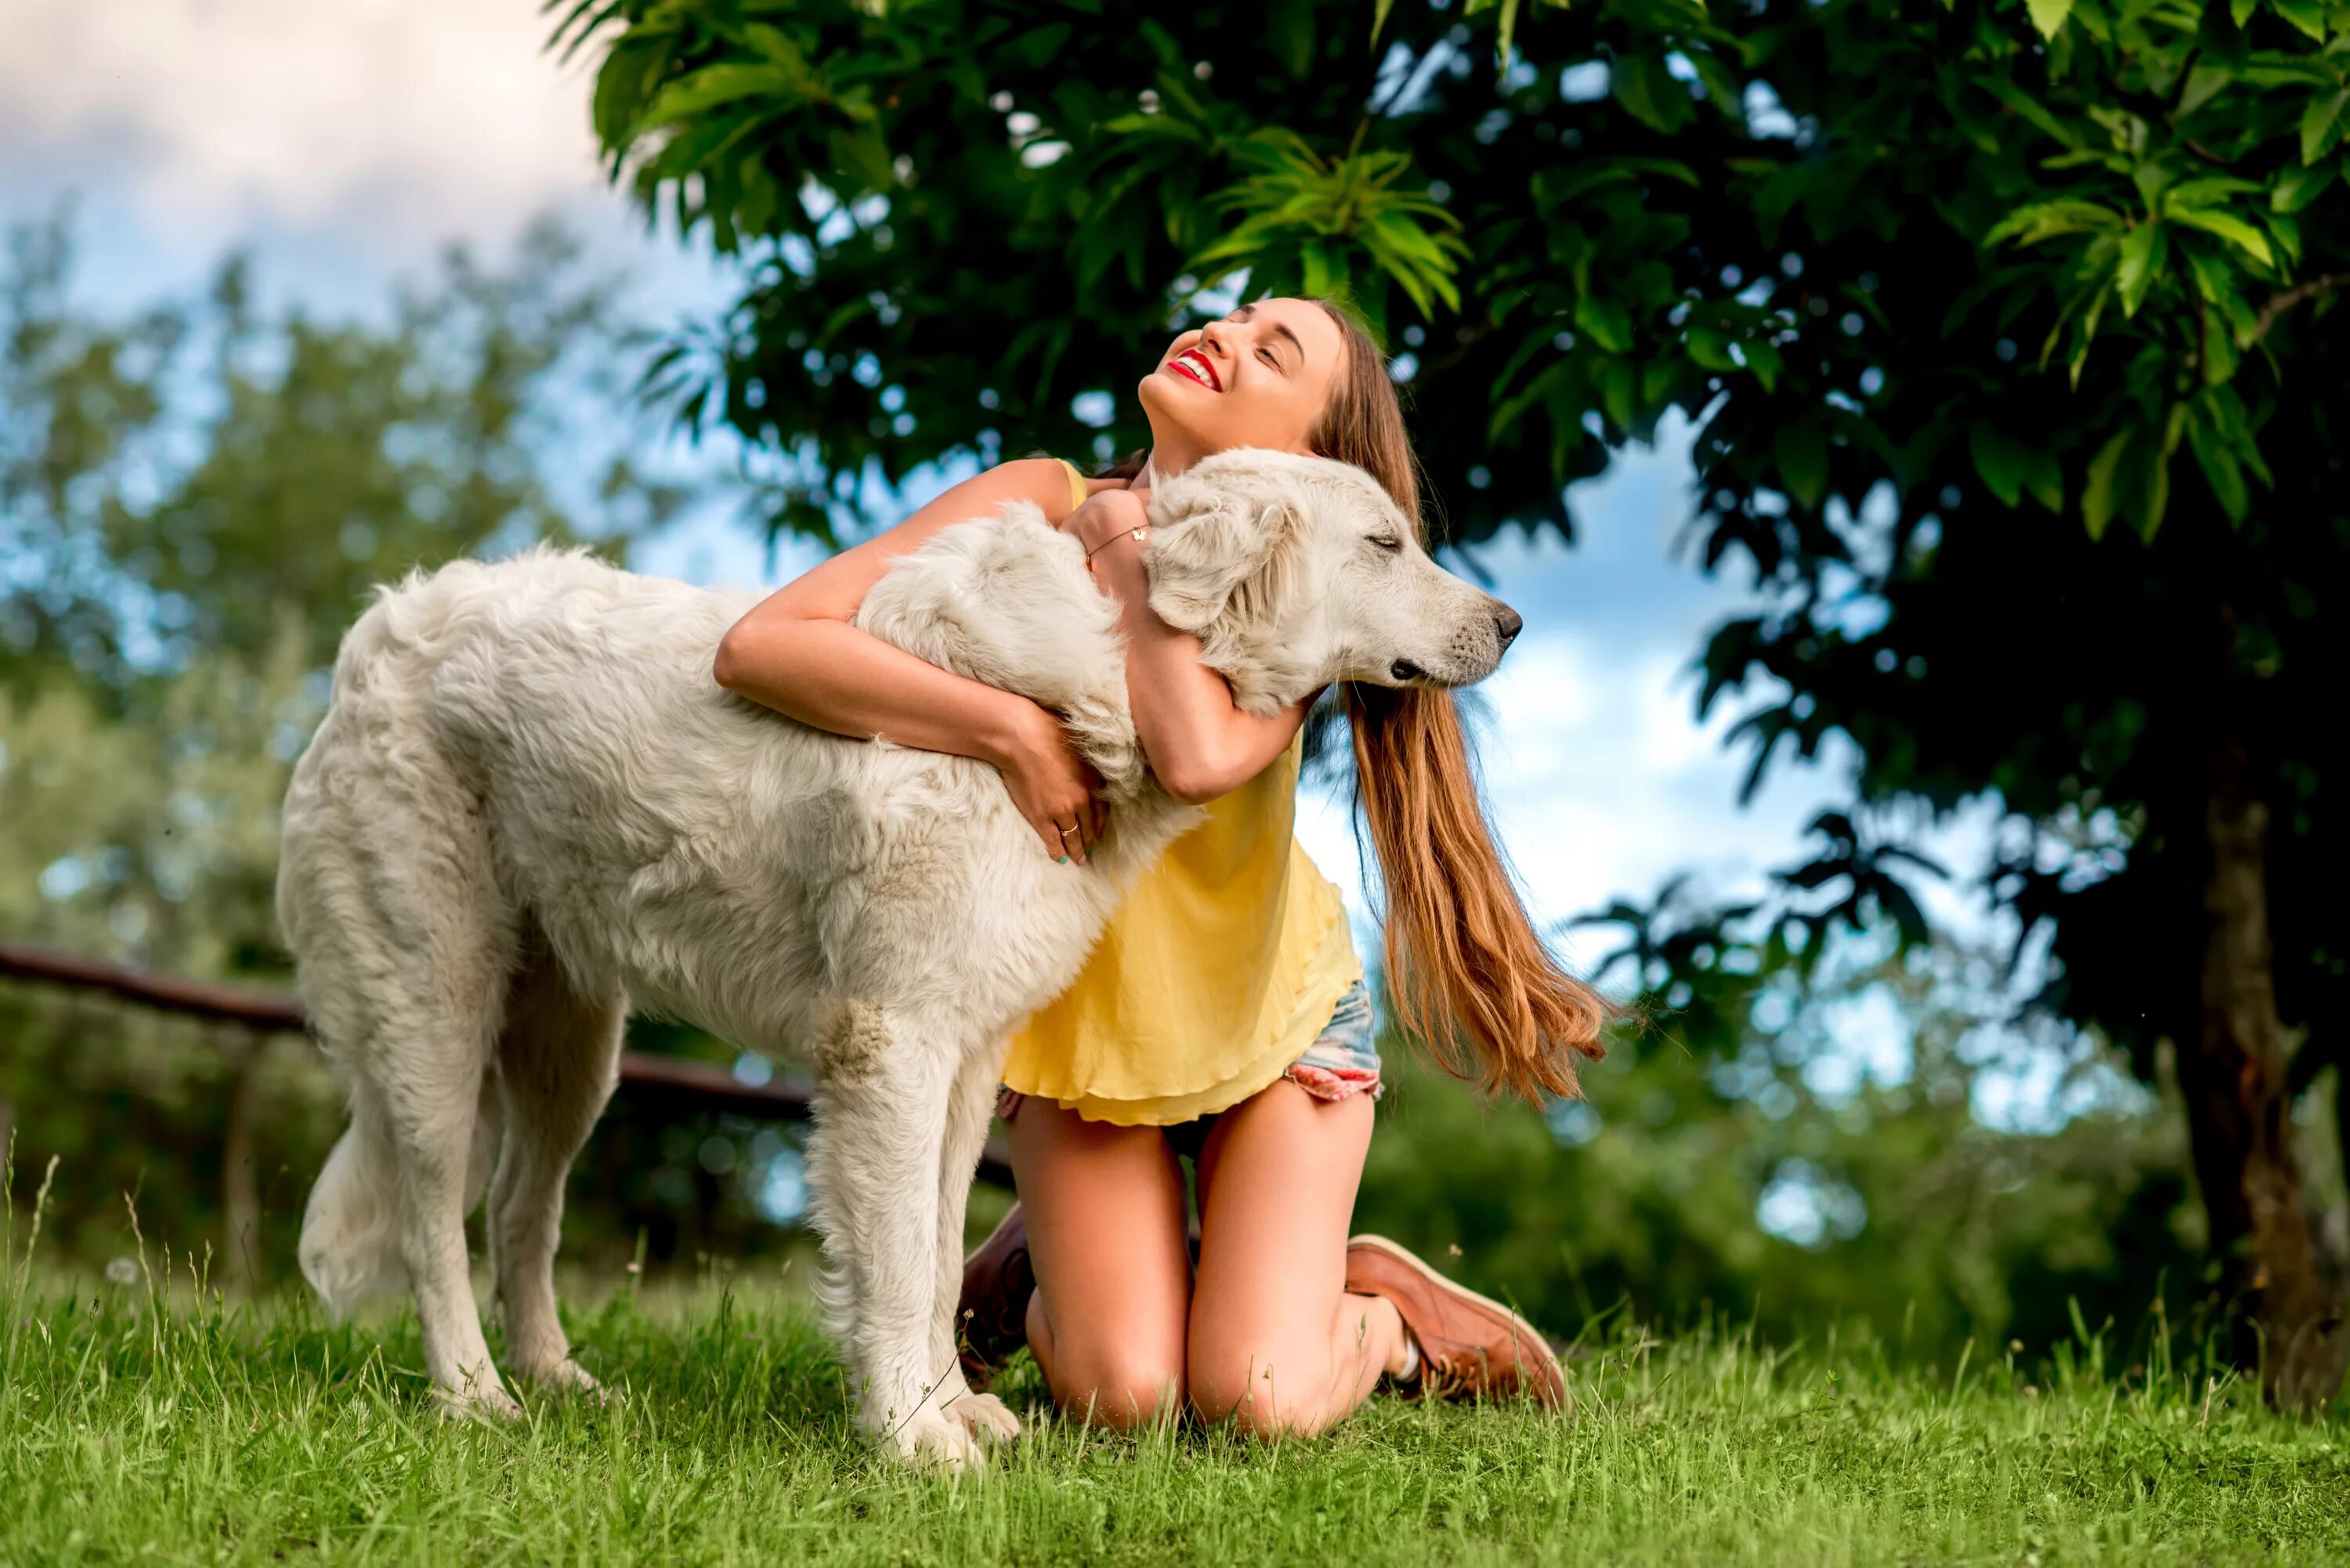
[(1198, 743), (799, 652)]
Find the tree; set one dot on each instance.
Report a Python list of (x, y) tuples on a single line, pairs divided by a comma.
[(1946, 291), (967, 223), (2088, 279), (184, 481)]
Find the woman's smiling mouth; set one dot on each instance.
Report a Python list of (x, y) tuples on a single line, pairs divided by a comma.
[(1195, 365)]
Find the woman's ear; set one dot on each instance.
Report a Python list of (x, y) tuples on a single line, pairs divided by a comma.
[(1200, 556)]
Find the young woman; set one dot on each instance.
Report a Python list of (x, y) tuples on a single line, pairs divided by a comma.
[(1222, 1014)]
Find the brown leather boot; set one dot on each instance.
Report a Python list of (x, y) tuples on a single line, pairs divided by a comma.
[(1469, 1346), (991, 1316)]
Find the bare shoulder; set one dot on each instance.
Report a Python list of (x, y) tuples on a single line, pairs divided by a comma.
[(1043, 480)]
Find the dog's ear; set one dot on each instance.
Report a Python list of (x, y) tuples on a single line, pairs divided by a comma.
[(1203, 552)]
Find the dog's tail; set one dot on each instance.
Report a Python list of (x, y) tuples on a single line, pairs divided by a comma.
[(350, 1232)]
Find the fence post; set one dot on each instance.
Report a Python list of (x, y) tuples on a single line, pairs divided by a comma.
[(239, 1199)]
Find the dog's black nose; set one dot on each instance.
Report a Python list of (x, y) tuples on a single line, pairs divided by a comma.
[(1509, 623)]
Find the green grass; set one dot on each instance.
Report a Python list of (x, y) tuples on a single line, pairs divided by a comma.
[(140, 1425)]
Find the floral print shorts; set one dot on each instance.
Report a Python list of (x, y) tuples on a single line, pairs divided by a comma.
[(1344, 1060)]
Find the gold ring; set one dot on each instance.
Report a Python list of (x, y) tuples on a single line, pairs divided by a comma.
[(1066, 831)]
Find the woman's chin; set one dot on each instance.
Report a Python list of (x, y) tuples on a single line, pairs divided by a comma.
[(1174, 408)]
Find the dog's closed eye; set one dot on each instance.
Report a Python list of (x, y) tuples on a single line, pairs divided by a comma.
[(1386, 542)]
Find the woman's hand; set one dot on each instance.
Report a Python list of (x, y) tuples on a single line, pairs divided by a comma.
[(1105, 514), (1053, 786), (1199, 744)]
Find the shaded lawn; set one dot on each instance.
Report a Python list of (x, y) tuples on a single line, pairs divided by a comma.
[(137, 1427)]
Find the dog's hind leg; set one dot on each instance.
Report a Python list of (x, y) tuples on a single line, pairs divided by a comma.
[(559, 1058), (969, 1112), (392, 906), (443, 1118), (874, 1157)]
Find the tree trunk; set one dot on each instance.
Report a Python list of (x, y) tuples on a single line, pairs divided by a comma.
[(2237, 1104)]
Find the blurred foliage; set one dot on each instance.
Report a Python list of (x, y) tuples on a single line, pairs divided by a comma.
[(193, 504), (189, 479), (1773, 1169)]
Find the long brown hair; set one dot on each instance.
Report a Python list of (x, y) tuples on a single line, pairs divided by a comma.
[(1468, 975)]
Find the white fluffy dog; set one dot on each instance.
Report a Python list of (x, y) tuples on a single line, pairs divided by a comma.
[(530, 808)]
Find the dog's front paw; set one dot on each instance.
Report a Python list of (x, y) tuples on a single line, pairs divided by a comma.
[(567, 1376), (984, 1415), (477, 1402), (933, 1439)]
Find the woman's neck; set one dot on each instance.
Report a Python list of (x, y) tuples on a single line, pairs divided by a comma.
[(1161, 464)]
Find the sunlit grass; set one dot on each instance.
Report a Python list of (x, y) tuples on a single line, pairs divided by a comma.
[(141, 1422)]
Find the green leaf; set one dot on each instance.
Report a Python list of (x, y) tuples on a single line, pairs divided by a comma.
[(2297, 187), (2321, 123), (2002, 460), (2039, 221), (709, 87), (1649, 94), (1709, 349), (1618, 393), (2048, 16), (2044, 479), (2222, 471), (1604, 322), (2097, 494), (2028, 107), (2138, 267), (2203, 84), (2154, 496), (1802, 451), (2219, 355), (2235, 231), (2306, 14), (2206, 193), (2285, 231)]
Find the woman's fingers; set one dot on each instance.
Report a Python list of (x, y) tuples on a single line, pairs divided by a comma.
[(1058, 791), (1065, 831)]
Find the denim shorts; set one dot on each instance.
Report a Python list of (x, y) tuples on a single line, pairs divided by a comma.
[(1343, 1062)]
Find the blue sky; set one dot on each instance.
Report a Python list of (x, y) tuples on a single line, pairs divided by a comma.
[(343, 145)]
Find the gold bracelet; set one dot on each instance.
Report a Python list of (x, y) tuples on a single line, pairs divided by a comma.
[(1137, 534)]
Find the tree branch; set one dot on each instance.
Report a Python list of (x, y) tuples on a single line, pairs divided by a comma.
[(2299, 294)]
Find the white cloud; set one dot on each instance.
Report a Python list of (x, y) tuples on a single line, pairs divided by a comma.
[(385, 119)]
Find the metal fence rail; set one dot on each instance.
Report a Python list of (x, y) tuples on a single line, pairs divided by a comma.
[(697, 1086)]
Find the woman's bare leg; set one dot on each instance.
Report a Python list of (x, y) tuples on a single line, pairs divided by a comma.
[(1274, 1342), (1106, 1236)]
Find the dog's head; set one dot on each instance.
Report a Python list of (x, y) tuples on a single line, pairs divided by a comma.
[(1294, 572)]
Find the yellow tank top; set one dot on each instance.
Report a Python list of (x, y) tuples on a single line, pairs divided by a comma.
[(1218, 971)]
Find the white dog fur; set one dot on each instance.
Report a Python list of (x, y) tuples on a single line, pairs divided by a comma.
[(530, 808)]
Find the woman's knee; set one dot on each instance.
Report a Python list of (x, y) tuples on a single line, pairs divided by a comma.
[(1118, 1384), (1264, 1387)]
